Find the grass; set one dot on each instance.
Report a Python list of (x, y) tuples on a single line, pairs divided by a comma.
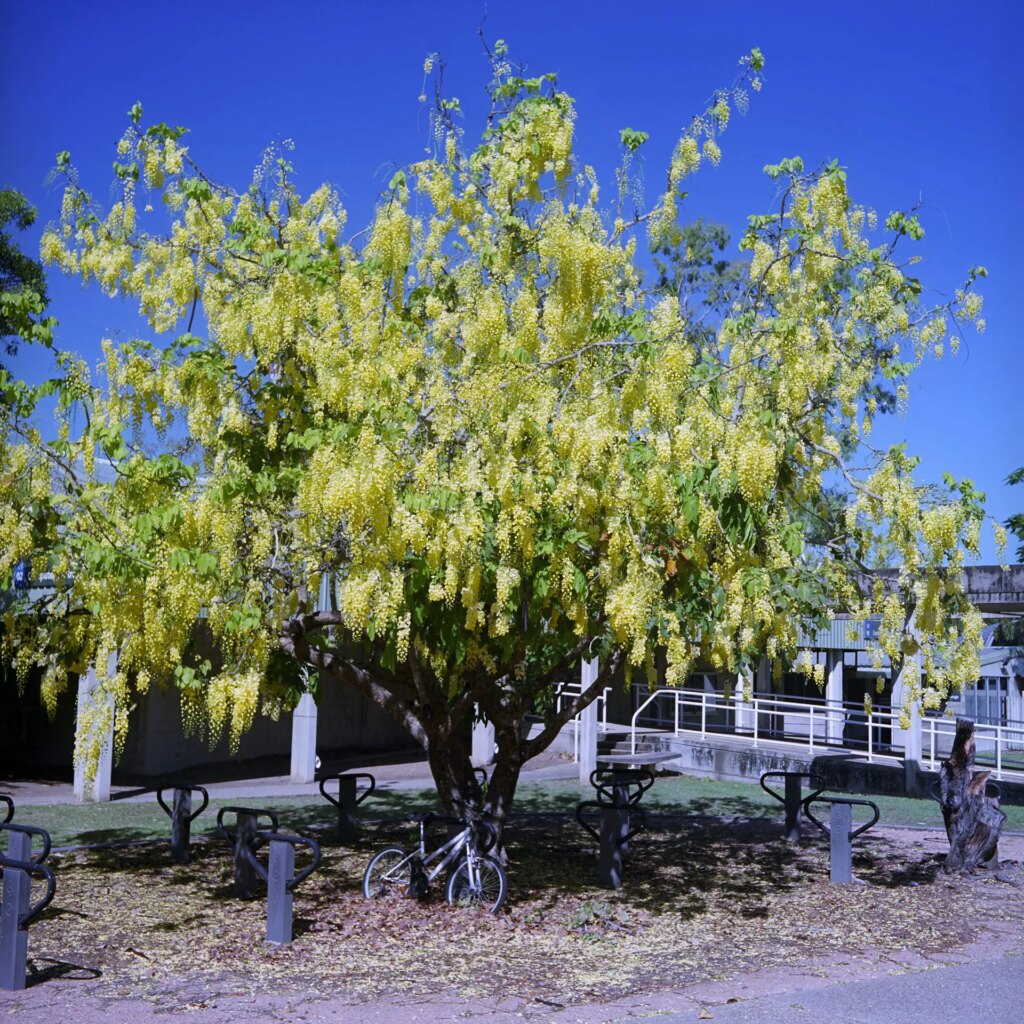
[(120, 820)]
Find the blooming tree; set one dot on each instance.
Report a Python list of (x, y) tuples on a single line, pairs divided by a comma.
[(504, 452)]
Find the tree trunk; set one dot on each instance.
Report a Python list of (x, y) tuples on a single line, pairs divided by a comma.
[(508, 762), (973, 819), (449, 758)]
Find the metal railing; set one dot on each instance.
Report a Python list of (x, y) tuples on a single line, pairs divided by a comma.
[(572, 689), (997, 747), (827, 723)]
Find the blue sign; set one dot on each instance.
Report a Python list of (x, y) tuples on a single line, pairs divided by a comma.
[(21, 570), (871, 627)]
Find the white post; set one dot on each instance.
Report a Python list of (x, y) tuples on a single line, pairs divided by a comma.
[(744, 708), (587, 726), (834, 697), (910, 739), (304, 740), (95, 721), (483, 742)]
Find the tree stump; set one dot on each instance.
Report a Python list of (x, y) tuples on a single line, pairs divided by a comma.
[(973, 818)]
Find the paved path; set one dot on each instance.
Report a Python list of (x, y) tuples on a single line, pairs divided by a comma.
[(984, 982), (392, 775)]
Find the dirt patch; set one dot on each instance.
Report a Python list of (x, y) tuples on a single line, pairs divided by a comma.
[(702, 900)]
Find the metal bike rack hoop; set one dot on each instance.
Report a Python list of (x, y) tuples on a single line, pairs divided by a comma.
[(815, 777), (362, 795), (32, 867), (192, 789), (850, 801), (257, 812), (621, 839), (31, 830), (292, 840), (606, 780)]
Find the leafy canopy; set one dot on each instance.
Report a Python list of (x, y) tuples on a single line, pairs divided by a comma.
[(22, 283), (477, 421)]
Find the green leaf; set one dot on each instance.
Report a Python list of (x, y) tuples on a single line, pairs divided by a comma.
[(632, 139)]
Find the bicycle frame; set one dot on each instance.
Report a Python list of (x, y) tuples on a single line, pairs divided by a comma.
[(449, 852)]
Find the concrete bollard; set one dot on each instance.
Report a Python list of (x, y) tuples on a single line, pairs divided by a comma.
[(281, 879), (841, 831), (17, 910), (840, 847), (614, 838), (279, 895)]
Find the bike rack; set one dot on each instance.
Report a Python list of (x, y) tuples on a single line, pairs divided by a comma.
[(18, 910), (792, 800), (281, 878), (347, 801), (619, 791), (10, 808), (182, 816), (243, 839), (840, 831), (607, 782)]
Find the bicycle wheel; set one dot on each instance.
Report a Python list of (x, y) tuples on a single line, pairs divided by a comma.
[(388, 874), (490, 890)]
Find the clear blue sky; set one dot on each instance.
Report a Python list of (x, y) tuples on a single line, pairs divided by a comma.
[(918, 99)]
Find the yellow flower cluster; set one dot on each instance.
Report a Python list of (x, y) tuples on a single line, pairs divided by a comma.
[(480, 411)]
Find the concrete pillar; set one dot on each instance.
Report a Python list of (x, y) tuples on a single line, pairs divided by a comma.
[(304, 740), (744, 708), (483, 742), (909, 739), (834, 696), (95, 723), (762, 688), (587, 725), (763, 679)]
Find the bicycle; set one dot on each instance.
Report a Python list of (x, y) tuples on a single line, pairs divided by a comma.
[(478, 881)]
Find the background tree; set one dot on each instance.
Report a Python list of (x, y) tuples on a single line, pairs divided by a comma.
[(22, 282), (503, 452), (1011, 632)]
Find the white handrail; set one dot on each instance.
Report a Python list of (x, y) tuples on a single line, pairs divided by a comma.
[(1002, 738), (574, 689), (832, 717), (761, 705)]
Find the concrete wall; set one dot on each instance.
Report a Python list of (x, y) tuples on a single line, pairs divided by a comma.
[(841, 771), (156, 743), (345, 722), (27, 735)]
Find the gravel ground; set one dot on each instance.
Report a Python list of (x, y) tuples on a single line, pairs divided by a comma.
[(712, 911)]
